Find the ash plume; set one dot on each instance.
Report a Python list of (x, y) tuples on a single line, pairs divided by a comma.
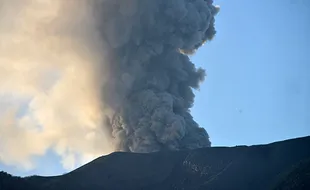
[(146, 41), (87, 77)]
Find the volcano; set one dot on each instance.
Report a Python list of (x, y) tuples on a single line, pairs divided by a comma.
[(275, 166)]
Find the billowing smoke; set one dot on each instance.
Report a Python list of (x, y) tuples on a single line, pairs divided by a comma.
[(87, 77), (151, 80)]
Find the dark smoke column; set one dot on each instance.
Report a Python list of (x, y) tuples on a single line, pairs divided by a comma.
[(151, 79)]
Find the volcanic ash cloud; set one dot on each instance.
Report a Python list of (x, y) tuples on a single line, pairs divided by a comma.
[(88, 77)]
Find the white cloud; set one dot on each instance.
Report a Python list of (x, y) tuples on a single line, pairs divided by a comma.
[(51, 75)]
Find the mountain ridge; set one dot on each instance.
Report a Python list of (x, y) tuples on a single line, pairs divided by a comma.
[(255, 167)]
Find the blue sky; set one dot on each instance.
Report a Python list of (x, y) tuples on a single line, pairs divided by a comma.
[(258, 63), (258, 87)]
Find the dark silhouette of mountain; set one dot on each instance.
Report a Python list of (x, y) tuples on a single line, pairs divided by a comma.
[(9, 182), (297, 178), (276, 166)]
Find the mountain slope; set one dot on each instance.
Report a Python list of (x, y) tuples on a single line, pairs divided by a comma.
[(297, 178), (235, 168)]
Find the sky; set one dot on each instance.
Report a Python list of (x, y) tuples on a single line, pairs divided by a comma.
[(258, 65), (257, 87)]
